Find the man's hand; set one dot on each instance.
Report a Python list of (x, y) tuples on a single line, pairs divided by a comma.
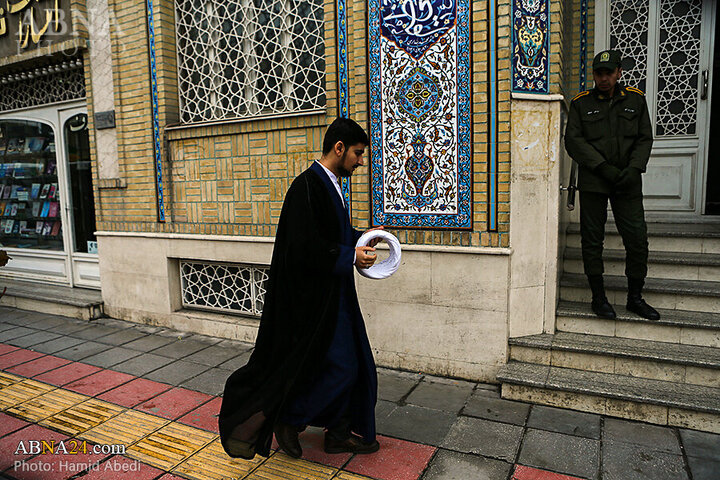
[(629, 177), (374, 241), (608, 172), (363, 259)]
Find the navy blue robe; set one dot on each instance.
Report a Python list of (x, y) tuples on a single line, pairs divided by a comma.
[(347, 379), (312, 360)]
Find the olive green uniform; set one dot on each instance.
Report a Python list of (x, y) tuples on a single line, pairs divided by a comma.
[(615, 131)]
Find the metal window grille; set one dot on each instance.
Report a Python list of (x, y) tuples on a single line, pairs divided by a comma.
[(248, 58), (230, 288), (42, 85)]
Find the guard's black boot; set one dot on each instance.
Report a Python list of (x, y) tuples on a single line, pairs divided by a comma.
[(635, 302), (287, 437), (600, 305)]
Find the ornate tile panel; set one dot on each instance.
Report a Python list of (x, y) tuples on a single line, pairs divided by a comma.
[(420, 113), (531, 46)]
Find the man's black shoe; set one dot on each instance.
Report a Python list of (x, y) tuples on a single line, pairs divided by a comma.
[(287, 438), (639, 306), (353, 444), (602, 308)]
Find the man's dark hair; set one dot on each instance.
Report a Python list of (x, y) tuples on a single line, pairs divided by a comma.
[(346, 131)]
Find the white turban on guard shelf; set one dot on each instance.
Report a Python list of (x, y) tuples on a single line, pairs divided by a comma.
[(388, 266)]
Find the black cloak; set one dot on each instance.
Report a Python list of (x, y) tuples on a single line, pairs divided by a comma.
[(311, 261)]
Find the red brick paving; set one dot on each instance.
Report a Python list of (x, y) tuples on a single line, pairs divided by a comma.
[(38, 366), (396, 460), (174, 403), (17, 357), (205, 416), (68, 373), (528, 473), (9, 424), (134, 392), (5, 348), (9, 444), (99, 382), (113, 469)]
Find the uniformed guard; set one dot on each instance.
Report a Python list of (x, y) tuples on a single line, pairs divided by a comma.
[(609, 135)]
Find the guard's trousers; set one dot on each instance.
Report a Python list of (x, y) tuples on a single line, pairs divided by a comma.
[(630, 220)]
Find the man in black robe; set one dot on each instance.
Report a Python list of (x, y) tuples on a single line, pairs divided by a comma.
[(312, 363)]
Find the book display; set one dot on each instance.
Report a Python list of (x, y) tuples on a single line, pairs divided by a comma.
[(29, 186)]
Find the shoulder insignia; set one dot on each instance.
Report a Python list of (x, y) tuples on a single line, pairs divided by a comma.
[(635, 90), (581, 94)]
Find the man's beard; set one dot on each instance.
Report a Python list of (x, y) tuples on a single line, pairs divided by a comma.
[(344, 172)]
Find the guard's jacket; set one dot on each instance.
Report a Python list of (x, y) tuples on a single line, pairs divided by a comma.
[(616, 130)]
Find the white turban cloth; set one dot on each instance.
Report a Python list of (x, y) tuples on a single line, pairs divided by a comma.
[(388, 266)]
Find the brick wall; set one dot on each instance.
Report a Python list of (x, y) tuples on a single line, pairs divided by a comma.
[(231, 178)]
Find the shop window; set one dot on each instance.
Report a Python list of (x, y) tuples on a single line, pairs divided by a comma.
[(223, 287), (249, 58), (29, 193)]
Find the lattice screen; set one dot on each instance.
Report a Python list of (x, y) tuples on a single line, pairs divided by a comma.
[(231, 288), (245, 58), (629, 34), (43, 85)]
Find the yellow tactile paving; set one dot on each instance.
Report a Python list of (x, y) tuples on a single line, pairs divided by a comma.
[(170, 445), (127, 428), (7, 379), (281, 466), (212, 463), (82, 417), (46, 405), (21, 392), (187, 451)]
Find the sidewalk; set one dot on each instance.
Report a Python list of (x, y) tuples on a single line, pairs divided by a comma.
[(156, 391)]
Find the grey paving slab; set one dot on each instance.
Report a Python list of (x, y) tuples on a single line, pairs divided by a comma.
[(237, 362), (46, 322), (147, 328), (7, 326), (111, 357), (142, 364), (239, 346), (496, 409), (383, 409), (180, 349), (8, 336), (657, 438), (94, 332), (149, 343), (69, 328), (211, 381), (212, 356), (177, 372), (441, 396), (82, 350), (483, 437), (393, 385), (122, 337), (206, 339), (18, 317), (417, 424), (627, 461), (562, 453), (58, 344), (565, 421), (701, 444), (113, 322), (703, 468), (448, 465), (27, 341)]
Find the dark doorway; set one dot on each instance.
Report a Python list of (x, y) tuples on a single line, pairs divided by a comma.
[(712, 204)]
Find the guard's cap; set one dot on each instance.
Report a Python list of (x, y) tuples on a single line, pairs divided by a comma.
[(609, 59)]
